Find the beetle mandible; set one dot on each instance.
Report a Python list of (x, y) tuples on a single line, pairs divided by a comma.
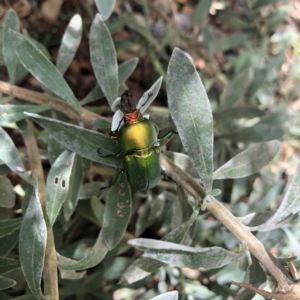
[(140, 146)]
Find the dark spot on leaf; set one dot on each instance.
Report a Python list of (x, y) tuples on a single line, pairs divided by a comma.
[(56, 180), (120, 213), (63, 183), (121, 192)]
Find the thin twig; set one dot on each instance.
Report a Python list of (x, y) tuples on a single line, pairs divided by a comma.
[(230, 221), (86, 116), (50, 267)]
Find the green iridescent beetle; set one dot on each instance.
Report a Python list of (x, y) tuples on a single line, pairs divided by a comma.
[(140, 146)]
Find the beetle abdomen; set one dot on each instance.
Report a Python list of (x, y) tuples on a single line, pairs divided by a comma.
[(143, 168)]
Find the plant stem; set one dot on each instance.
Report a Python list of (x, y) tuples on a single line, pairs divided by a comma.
[(231, 222), (86, 116), (50, 267)]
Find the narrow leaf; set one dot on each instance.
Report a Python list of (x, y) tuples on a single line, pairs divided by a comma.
[(75, 183), (144, 266), (185, 256), (32, 245), (69, 44), (256, 277), (182, 210), (10, 156), (117, 212), (8, 264), (104, 59), (8, 196), (71, 274), (8, 226), (290, 205), (58, 184), (102, 123), (6, 283), (42, 69), (167, 296), (79, 140), (249, 161), (236, 89), (191, 113), (15, 113), (126, 69), (201, 11), (88, 190), (95, 256), (105, 7), (11, 21), (8, 243), (145, 100)]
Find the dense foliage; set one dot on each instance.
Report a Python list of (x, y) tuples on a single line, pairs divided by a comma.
[(229, 72)]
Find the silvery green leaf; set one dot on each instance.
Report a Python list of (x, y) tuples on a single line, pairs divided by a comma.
[(105, 7), (11, 21), (238, 112), (8, 264), (8, 226), (185, 256), (236, 89), (32, 245), (79, 140), (290, 205), (6, 283), (8, 196), (8, 243), (71, 274), (117, 212), (124, 71), (10, 156), (75, 182), (94, 257), (42, 69), (90, 189), (191, 113), (144, 266), (249, 161), (104, 59), (15, 113), (126, 68), (256, 277), (102, 123), (183, 161), (146, 100), (167, 296), (201, 11), (58, 184), (69, 44), (182, 209)]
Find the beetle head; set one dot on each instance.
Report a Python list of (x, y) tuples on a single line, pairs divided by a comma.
[(127, 102)]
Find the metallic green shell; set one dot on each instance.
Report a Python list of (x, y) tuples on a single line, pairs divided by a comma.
[(143, 168), (137, 136)]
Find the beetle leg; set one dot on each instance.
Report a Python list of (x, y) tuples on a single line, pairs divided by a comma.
[(113, 135), (166, 177), (115, 180), (164, 139), (109, 155)]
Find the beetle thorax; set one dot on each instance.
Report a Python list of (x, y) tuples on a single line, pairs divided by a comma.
[(132, 117)]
